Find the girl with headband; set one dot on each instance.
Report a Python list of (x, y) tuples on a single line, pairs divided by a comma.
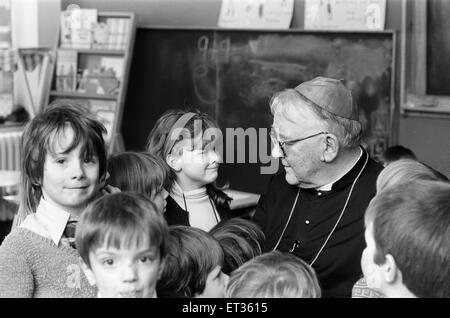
[(188, 143)]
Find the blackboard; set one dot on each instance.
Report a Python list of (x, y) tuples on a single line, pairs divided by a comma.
[(231, 74)]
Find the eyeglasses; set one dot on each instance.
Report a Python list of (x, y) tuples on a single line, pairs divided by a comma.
[(290, 142)]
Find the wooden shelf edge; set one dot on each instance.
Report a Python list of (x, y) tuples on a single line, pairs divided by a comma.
[(426, 112), (94, 51), (11, 127), (82, 95)]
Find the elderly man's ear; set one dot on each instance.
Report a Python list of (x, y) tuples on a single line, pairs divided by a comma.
[(331, 148)]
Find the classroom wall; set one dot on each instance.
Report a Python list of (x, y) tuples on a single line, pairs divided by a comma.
[(427, 137), (200, 12)]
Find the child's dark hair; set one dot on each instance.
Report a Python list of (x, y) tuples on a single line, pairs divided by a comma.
[(241, 240), (37, 140), (121, 220), (160, 143), (192, 255), (398, 152), (140, 172)]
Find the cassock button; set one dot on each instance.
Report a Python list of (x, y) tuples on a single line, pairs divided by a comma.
[(307, 222)]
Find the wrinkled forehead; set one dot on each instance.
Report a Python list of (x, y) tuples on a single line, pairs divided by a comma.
[(296, 120), (293, 110)]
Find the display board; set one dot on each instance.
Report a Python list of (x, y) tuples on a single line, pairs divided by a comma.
[(232, 75)]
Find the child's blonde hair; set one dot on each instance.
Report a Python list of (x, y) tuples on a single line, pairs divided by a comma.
[(404, 170), (37, 141), (274, 275)]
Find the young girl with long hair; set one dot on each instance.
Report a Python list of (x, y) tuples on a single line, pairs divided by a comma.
[(188, 142)]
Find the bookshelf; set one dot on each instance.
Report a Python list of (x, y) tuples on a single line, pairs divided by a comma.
[(93, 58)]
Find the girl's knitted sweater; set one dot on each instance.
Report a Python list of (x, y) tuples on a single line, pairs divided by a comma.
[(33, 266)]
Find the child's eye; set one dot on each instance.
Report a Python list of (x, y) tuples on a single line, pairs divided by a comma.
[(108, 262), (61, 161), (146, 259), (90, 160)]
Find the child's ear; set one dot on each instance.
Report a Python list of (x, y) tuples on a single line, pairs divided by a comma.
[(173, 162), (103, 179), (89, 274), (390, 270)]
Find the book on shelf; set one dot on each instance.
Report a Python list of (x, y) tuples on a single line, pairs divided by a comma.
[(115, 64), (76, 28), (100, 35), (102, 76), (66, 70), (65, 29), (80, 28), (118, 30)]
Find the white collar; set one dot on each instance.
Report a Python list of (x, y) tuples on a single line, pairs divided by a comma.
[(329, 186), (48, 221), (191, 194)]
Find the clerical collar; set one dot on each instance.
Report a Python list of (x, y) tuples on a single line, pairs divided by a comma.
[(329, 186)]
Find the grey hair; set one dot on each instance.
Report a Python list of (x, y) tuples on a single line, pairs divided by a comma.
[(346, 130)]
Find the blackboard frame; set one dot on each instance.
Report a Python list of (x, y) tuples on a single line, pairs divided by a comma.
[(414, 98), (135, 96)]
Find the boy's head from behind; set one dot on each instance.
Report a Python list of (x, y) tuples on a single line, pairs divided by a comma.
[(241, 241), (274, 275), (407, 236), (61, 139), (187, 142), (139, 172), (193, 265), (402, 171), (122, 239)]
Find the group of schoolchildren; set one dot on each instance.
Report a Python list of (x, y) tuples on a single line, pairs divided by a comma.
[(153, 224)]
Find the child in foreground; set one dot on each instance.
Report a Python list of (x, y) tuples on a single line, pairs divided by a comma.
[(122, 240), (407, 236), (63, 169)]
